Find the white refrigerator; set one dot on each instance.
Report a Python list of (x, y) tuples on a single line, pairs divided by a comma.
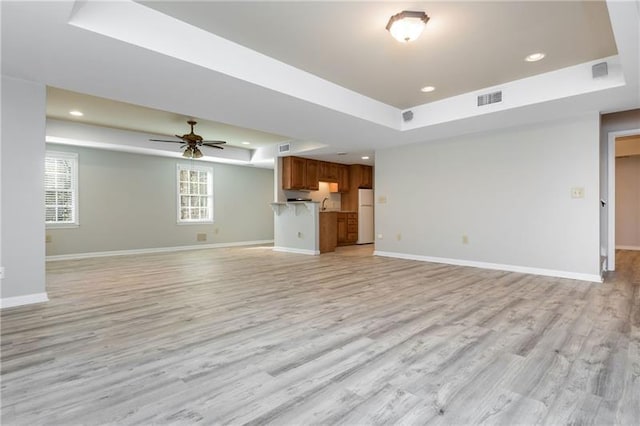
[(365, 216)]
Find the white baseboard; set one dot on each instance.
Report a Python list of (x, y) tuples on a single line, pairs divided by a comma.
[(484, 265), (297, 251), (10, 302), (153, 250), (627, 248)]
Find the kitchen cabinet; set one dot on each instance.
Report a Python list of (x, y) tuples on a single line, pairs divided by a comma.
[(347, 228), (343, 178), (328, 231), (328, 172), (299, 173), (311, 175), (361, 176)]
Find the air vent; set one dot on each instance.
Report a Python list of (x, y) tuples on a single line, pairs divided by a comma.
[(600, 70), (490, 98), (407, 115), (285, 147)]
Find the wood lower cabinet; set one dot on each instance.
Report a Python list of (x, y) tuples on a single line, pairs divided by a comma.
[(347, 227), (328, 231)]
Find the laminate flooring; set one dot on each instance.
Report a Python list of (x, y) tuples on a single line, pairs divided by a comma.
[(251, 336)]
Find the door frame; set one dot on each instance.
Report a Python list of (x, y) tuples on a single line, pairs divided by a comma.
[(611, 195)]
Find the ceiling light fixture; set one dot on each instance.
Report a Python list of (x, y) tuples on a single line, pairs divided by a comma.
[(534, 57), (407, 26), (76, 113), (246, 143), (192, 152), (427, 89), (366, 157)]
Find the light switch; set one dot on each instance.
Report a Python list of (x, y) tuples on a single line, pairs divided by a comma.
[(577, 192)]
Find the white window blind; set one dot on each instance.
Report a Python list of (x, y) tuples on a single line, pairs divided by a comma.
[(61, 188), (195, 194)]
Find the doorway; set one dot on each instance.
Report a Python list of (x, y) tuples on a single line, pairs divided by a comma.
[(628, 143)]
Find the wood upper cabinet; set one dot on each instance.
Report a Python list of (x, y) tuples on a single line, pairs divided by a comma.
[(299, 173), (311, 175), (327, 171), (361, 176), (294, 172)]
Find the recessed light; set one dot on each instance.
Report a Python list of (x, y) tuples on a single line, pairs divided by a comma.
[(366, 157), (76, 113), (427, 89), (246, 143), (534, 57)]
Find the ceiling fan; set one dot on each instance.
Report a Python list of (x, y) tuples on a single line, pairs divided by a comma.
[(191, 142)]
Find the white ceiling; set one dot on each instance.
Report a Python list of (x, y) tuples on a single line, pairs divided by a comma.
[(466, 45), (327, 88)]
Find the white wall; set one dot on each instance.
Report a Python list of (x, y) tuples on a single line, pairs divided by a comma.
[(628, 202), (297, 227), (508, 191), (22, 239), (128, 201)]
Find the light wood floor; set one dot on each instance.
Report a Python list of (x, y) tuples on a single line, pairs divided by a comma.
[(247, 335)]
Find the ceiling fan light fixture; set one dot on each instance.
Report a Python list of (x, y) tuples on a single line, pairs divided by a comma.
[(188, 153), (197, 153), (407, 25)]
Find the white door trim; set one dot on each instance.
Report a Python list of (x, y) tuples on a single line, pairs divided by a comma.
[(611, 195)]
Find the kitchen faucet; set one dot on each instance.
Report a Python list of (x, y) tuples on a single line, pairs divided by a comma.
[(323, 201)]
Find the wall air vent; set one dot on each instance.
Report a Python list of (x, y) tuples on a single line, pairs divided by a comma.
[(284, 148), (490, 98)]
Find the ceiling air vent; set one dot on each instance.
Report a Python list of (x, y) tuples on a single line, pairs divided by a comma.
[(283, 148), (490, 98)]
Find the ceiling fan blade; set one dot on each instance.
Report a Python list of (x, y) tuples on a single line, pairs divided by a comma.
[(213, 146), (213, 142), (161, 140)]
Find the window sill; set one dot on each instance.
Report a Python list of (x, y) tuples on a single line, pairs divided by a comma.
[(61, 225), (207, 222)]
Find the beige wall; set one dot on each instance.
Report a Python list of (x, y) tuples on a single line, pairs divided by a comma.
[(628, 202), (128, 202)]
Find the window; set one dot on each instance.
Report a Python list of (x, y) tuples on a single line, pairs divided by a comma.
[(195, 194), (61, 188)]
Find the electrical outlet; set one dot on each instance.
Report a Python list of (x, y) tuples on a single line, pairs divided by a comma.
[(577, 192), (201, 237), (398, 236), (382, 199), (299, 234), (379, 236), (216, 230), (465, 239), (47, 238)]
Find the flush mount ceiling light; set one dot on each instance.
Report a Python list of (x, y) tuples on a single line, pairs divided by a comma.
[(427, 89), (366, 157), (534, 57), (407, 26), (76, 113)]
